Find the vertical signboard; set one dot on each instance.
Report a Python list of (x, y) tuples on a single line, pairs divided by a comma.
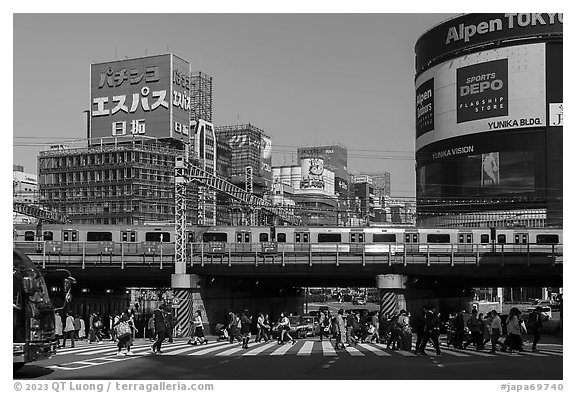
[(425, 107), (266, 157), (181, 85)]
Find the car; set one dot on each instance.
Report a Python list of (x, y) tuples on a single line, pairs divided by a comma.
[(311, 326), (546, 311), (554, 306)]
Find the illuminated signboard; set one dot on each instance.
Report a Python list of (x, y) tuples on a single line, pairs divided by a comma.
[(425, 107), (147, 96), (494, 90)]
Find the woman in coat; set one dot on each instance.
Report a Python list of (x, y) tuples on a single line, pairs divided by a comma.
[(514, 338)]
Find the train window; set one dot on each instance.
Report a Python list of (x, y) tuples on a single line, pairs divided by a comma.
[(547, 239), (384, 238), (238, 237), (70, 236), (356, 238), (98, 236), (501, 239), (520, 238), (484, 239), (29, 236), (128, 236), (464, 238), (215, 237), (246, 237), (190, 237), (329, 238), (438, 238), (162, 237), (48, 235), (411, 238), (281, 237), (302, 237), (263, 237)]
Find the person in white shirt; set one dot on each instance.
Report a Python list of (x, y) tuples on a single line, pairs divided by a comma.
[(69, 330), (58, 327), (199, 338), (495, 330)]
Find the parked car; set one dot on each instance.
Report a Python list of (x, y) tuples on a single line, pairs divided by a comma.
[(554, 306), (359, 301), (297, 328), (546, 311)]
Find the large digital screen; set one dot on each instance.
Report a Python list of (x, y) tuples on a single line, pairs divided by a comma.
[(494, 90)]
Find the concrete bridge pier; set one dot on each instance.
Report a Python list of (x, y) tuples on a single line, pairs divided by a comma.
[(187, 299), (391, 292)]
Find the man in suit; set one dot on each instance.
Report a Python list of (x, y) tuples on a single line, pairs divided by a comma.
[(160, 328)]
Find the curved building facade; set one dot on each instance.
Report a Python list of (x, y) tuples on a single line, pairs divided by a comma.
[(489, 121)]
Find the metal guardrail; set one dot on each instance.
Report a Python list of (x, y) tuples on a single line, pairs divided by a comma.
[(201, 254)]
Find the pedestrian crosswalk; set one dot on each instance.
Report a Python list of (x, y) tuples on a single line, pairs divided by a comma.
[(301, 348)]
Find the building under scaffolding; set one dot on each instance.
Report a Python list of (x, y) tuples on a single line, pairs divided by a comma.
[(128, 182)]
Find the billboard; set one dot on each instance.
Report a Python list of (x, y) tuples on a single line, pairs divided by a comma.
[(147, 96), (425, 107), (266, 157), (472, 30), (494, 90), (315, 178)]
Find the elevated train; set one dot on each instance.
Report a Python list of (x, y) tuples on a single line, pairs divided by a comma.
[(143, 239)]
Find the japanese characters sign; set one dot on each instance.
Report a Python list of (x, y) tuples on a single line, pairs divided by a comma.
[(140, 97)]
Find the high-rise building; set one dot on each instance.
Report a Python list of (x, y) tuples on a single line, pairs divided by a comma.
[(25, 190), (250, 147)]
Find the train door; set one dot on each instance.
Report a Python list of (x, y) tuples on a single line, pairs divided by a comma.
[(411, 240), (70, 238), (356, 241), (243, 241), (301, 241), (465, 242), (520, 242), (128, 239)]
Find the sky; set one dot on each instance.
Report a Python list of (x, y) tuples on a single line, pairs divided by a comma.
[(305, 79)]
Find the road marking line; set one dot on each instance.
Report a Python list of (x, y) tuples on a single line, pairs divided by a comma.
[(453, 352), (353, 351), (477, 353), (229, 352), (328, 349), (191, 348), (282, 350), (550, 353), (208, 350), (376, 351), (306, 349), (259, 350)]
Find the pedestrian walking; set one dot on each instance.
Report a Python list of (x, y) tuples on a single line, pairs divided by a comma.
[(393, 332), (496, 331), (96, 326), (376, 323), (459, 325), (513, 326), (114, 320), (77, 327), (486, 328), (475, 330), (160, 327), (69, 330), (350, 325), (262, 328), (198, 338), (234, 326), (535, 320), (245, 323), (82, 332), (170, 324), (284, 328), (152, 328), (431, 331), (404, 331), (123, 332), (340, 329), (58, 328), (418, 325)]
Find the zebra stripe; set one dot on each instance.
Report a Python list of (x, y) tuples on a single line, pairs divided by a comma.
[(183, 312), (388, 302)]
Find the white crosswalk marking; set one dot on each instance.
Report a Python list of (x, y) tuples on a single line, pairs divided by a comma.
[(453, 352), (353, 351), (282, 350), (477, 353), (553, 353), (376, 351), (209, 350), (306, 349), (229, 352), (259, 350), (190, 348), (328, 349)]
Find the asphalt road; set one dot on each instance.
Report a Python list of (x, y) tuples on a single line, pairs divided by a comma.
[(306, 360)]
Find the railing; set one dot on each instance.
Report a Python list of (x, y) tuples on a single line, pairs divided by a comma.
[(201, 254)]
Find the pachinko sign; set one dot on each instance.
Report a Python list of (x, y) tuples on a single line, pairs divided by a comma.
[(139, 97), (312, 174)]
